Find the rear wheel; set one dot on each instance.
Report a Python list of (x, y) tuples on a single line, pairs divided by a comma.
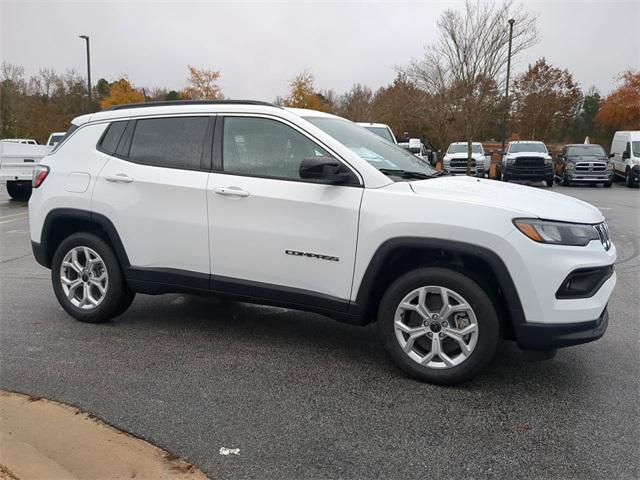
[(628, 178), (87, 279), (19, 190), (438, 325)]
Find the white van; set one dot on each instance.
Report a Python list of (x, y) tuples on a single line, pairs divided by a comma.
[(625, 155)]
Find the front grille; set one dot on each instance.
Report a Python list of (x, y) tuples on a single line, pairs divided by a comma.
[(529, 162), (603, 234), (584, 167), (459, 163)]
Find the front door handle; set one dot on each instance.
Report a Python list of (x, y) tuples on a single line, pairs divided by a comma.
[(119, 178), (231, 191)]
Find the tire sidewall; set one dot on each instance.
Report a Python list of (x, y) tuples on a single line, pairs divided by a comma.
[(115, 289), (488, 325)]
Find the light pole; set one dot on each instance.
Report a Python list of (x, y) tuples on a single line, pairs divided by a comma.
[(506, 94), (86, 38)]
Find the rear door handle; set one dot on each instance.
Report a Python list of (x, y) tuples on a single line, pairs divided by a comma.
[(231, 191), (119, 178)]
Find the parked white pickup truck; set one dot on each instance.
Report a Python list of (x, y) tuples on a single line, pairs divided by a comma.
[(17, 161)]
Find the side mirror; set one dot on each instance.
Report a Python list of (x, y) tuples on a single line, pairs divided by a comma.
[(325, 170), (500, 152), (611, 155), (626, 155)]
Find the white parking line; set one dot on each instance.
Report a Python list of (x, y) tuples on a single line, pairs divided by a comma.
[(14, 220), (13, 215)]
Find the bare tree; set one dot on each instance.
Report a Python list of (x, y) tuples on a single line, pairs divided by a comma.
[(467, 65), (356, 104)]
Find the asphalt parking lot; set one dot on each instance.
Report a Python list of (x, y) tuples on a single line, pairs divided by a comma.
[(302, 396)]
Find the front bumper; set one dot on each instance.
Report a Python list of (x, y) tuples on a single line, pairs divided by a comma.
[(590, 177), (529, 173), (463, 171), (544, 336)]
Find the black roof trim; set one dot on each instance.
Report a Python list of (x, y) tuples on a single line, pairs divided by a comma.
[(171, 103)]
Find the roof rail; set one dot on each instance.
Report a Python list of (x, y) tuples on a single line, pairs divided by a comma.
[(171, 103)]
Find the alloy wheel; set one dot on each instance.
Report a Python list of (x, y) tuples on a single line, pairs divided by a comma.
[(84, 277), (436, 327)]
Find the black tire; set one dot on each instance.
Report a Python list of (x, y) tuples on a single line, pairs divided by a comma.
[(118, 296), (628, 178), (565, 180), (487, 324), (607, 184), (19, 190), (504, 177), (549, 182)]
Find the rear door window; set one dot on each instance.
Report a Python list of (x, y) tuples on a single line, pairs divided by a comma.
[(175, 142)]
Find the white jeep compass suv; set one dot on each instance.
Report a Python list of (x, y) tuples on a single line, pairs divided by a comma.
[(306, 210)]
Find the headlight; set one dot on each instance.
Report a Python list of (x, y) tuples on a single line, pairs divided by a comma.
[(571, 166), (510, 160), (547, 161), (609, 166), (557, 233)]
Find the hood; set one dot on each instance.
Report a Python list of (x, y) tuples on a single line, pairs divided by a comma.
[(587, 158), (528, 154), (463, 156), (522, 200)]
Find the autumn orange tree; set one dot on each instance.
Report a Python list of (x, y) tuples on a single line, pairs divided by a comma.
[(545, 98), (43, 103), (302, 93), (121, 91), (202, 84), (621, 109)]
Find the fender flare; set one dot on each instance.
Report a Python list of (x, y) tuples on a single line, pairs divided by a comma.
[(384, 252), (44, 256)]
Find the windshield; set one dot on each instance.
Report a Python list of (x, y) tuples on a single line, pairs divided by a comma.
[(527, 147), (55, 139), (585, 151), (370, 147), (462, 148), (636, 148), (381, 132)]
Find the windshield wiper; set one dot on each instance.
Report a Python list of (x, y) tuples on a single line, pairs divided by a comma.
[(404, 173)]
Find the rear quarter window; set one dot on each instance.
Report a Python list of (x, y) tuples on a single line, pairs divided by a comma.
[(109, 142)]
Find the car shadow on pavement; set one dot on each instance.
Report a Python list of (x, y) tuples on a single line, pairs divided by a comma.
[(302, 335)]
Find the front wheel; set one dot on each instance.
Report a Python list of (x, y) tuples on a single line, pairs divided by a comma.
[(87, 279), (438, 325), (549, 182)]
